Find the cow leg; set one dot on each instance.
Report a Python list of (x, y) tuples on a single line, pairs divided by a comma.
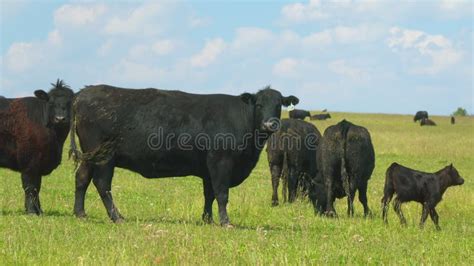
[(102, 179), (363, 197), (83, 179), (208, 200), (330, 211), (387, 197), (292, 184), (397, 206), (220, 169), (276, 173), (284, 186), (435, 218), (350, 200), (424, 214), (31, 186)]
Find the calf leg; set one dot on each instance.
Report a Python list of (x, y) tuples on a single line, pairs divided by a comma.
[(397, 206), (424, 214), (83, 179), (387, 197), (292, 184), (32, 186), (208, 200), (435, 218), (102, 179), (276, 173)]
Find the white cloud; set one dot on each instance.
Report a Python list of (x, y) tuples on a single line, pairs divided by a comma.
[(285, 67), (105, 48), (22, 56), (318, 38), (299, 12), (196, 22), (163, 47), (209, 53), (139, 20), (78, 15), (132, 72), (55, 38), (437, 48), (251, 37), (341, 67)]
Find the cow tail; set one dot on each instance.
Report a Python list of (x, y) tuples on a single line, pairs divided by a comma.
[(346, 182), (74, 153), (284, 177)]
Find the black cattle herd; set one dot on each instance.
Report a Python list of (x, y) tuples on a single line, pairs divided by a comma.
[(217, 137)]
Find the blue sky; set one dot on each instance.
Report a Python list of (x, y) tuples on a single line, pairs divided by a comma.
[(358, 56)]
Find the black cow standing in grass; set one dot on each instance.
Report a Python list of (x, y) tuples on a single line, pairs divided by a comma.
[(427, 122), (420, 115), (453, 120), (299, 114), (413, 185), (159, 133), (291, 155), (346, 158), (32, 135), (320, 117)]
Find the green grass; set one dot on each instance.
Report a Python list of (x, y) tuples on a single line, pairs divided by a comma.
[(163, 215)]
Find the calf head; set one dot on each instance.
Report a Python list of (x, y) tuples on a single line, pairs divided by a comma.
[(267, 104), (59, 100), (453, 176), (317, 194)]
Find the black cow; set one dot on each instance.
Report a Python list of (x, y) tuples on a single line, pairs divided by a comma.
[(299, 114), (413, 185), (427, 122), (32, 135), (346, 158), (453, 120), (291, 155), (128, 128), (420, 115), (320, 117)]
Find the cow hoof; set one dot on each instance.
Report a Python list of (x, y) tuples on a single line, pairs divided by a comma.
[(207, 219), (228, 226), (331, 214), (119, 221), (274, 203), (80, 215)]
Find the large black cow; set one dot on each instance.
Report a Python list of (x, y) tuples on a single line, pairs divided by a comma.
[(291, 155), (346, 158), (299, 114), (420, 115), (413, 185), (160, 133), (32, 135)]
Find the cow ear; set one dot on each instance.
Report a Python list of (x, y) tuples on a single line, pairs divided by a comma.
[(248, 98), (451, 166), (41, 94), (286, 101)]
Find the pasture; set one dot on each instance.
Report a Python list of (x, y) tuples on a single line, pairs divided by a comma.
[(163, 216)]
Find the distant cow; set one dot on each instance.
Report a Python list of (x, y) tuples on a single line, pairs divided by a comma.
[(127, 128), (420, 115), (291, 155), (32, 134), (427, 122), (346, 157), (453, 120), (413, 185), (299, 114), (320, 117)]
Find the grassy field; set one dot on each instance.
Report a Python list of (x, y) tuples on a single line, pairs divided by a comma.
[(164, 216)]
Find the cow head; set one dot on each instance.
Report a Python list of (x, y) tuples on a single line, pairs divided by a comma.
[(59, 100), (455, 178), (267, 104), (317, 195)]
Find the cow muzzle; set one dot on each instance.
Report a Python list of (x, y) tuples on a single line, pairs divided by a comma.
[(271, 125), (59, 119)]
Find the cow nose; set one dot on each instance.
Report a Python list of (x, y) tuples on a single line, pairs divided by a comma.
[(273, 124), (60, 118), (461, 181)]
